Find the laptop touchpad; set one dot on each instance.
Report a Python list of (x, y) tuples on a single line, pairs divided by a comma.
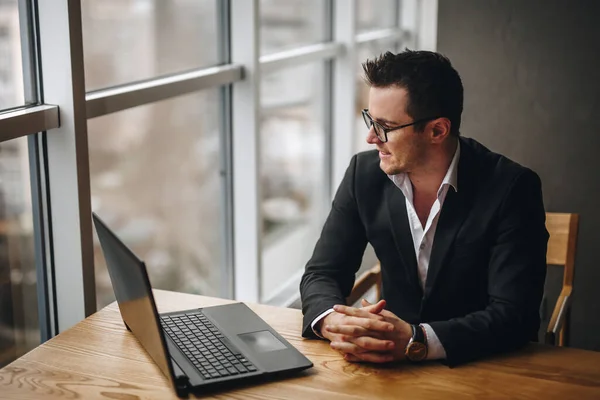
[(262, 341)]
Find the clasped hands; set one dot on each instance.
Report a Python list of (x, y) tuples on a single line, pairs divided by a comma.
[(367, 334)]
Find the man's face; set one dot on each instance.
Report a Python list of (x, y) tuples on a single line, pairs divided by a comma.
[(405, 149)]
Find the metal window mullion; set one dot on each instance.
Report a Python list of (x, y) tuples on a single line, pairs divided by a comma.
[(48, 247), (399, 14), (44, 276), (406, 34), (344, 88), (247, 222), (111, 100), (408, 21), (70, 225), (388, 34), (325, 110), (28, 52), (427, 25), (28, 121), (226, 166), (300, 55)]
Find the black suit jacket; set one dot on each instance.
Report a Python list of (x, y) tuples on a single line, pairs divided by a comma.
[(488, 263)]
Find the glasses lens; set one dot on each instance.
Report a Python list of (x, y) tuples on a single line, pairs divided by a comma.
[(366, 119), (378, 128), (379, 132)]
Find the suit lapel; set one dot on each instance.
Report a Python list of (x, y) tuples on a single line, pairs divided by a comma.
[(453, 213), (400, 227)]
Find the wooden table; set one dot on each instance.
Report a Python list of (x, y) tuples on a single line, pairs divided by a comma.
[(99, 359)]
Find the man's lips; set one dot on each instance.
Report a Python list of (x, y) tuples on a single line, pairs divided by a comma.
[(383, 152)]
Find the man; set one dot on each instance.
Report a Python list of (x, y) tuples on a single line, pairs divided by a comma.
[(459, 230)]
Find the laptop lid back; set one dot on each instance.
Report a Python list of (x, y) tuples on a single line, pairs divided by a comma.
[(134, 295)]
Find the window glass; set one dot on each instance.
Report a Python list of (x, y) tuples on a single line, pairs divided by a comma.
[(286, 24), (376, 14), (19, 323), (155, 180), (11, 58), (131, 40), (293, 185)]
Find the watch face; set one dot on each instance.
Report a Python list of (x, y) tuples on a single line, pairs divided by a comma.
[(416, 351)]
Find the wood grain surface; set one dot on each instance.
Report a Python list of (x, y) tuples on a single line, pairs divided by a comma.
[(99, 359)]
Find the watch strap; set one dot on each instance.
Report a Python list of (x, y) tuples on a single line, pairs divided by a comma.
[(419, 334)]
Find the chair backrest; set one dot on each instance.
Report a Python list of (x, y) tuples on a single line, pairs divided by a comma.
[(561, 251), (364, 283), (562, 243)]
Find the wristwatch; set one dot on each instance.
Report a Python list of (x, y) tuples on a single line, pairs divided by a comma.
[(416, 349)]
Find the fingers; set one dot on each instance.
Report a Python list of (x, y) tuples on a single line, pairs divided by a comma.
[(356, 312), (352, 331), (346, 347), (373, 308), (349, 330), (371, 324), (367, 322), (369, 357), (388, 316), (378, 308), (370, 343), (349, 344), (355, 353)]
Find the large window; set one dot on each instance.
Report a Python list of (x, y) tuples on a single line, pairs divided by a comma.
[(212, 155), (131, 40), (155, 179), (19, 324)]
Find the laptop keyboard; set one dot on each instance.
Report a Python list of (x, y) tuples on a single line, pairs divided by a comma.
[(205, 346)]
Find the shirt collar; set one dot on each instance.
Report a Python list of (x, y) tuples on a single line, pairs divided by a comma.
[(450, 179)]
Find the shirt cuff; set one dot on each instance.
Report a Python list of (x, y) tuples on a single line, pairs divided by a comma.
[(316, 320), (435, 349)]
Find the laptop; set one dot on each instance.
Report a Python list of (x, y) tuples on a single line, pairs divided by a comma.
[(199, 348)]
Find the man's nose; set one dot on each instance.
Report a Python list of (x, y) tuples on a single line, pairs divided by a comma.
[(372, 137)]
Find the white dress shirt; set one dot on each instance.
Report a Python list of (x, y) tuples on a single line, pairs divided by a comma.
[(422, 240)]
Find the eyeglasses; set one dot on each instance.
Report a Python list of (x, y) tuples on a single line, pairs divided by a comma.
[(382, 131)]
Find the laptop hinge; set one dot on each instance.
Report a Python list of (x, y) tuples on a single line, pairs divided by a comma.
[(182, 382)]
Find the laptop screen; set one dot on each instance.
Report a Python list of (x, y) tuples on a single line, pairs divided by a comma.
[(134, 295)]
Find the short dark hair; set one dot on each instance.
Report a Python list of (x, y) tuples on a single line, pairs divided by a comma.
[(434, 87)]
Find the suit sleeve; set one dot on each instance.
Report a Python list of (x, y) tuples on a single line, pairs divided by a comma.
[(330, 273), (516, 275)]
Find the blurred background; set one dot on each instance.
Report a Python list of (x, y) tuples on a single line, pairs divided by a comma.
[(161, 174)]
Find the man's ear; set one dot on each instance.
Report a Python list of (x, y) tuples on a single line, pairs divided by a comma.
[(440, 129)]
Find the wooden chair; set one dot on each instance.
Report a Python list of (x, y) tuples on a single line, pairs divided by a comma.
[(561, 251), (364, 283)]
